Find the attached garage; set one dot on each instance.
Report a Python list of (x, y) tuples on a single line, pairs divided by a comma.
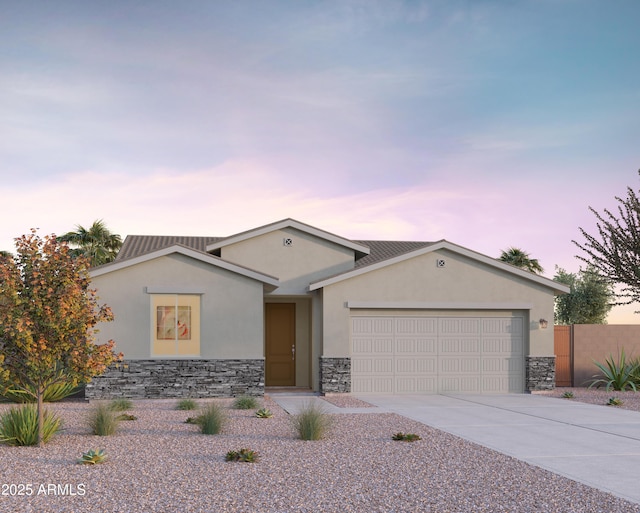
[(428, 353)]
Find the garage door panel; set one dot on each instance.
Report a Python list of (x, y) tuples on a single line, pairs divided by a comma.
[(405, 345), (373, 386), (427, 346), (506, 346), (438, 354), (460, 326), (419, 366)]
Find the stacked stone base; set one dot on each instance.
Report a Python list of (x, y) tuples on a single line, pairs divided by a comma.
[(162, 379), (335, 375), (541, 372)]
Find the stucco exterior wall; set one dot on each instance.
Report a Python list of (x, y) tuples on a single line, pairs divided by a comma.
[(461, 284), (231, 307), (307, 259)]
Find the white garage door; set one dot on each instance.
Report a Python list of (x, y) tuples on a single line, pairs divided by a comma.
[(391, 354)]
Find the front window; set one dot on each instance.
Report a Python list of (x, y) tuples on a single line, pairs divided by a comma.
[(176, 325)]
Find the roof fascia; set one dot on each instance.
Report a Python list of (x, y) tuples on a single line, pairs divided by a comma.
[(290, 223), (443, 244), (188, 252)]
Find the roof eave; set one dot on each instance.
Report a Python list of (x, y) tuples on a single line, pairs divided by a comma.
[(359, 249), (268, 280), (443, 244)]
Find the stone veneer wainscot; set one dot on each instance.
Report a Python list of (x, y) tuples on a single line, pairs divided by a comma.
[(335, 375), (541, 372), (155, 379)]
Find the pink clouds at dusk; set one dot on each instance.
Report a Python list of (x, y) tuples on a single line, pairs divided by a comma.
[(485, 124)]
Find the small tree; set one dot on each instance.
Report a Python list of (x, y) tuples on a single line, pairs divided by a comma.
[(615, 252), (589, 300), (47, 319), (521, 259)]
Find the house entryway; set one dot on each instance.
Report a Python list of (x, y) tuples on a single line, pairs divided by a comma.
[(280, 344)]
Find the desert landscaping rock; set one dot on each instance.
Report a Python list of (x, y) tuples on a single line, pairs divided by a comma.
[(159, 463)]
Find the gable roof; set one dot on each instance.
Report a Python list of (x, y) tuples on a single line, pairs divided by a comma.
[(435, 246), (188, 252), (359, 249)]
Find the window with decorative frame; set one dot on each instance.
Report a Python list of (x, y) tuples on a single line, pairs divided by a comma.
[(175, 325)]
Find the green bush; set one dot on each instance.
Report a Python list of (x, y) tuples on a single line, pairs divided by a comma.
[(264, 413), (245, 402), (19, 426), (617, 375), (55, 392), (568, 395), (186, 404), (120, 404), (102, 420), (211, 420), (614, 401), (311, 423)]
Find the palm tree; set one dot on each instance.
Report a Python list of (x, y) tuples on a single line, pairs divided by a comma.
[(97, 243), (521, 259)]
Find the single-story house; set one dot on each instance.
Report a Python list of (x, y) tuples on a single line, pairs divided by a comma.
[(291, 305)]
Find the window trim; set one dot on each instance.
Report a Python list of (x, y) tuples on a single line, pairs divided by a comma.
[(162, 299)]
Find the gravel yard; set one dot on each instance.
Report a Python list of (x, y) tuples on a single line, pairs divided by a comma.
[(159, 463)]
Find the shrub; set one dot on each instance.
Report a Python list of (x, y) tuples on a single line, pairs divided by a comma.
[(614, 401), (264, 413), (55, 392), (211, 420), (92, 457), (568, 395), (246, 455), (617, 375), (121, 404), (19, 426), (102, 420), (186, 404), (406, 437), (126, 416), (311, 423), (245, 402)]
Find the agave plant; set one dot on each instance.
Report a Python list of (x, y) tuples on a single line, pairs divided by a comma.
[(617, 375), (614, 401), (264, 413), (93, 457), (245, 455)]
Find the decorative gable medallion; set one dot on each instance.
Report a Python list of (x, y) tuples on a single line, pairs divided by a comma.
[(287, 241), (440, 262)]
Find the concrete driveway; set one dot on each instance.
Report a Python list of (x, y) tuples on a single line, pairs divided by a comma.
[(595, 445)]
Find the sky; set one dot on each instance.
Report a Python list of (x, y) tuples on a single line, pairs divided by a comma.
[(491, 124)]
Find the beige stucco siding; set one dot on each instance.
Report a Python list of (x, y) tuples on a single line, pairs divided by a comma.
[(231, 306), (461, 285), (307, 259)]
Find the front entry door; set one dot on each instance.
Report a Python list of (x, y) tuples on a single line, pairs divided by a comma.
[(280, 340)]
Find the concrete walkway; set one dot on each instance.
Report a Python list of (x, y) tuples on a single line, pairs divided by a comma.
[(595, 445)]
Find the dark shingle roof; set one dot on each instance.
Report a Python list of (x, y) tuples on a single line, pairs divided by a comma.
[(385, 249), (136, 245)]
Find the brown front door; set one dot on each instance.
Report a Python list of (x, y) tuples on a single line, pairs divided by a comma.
[(280, 340)]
